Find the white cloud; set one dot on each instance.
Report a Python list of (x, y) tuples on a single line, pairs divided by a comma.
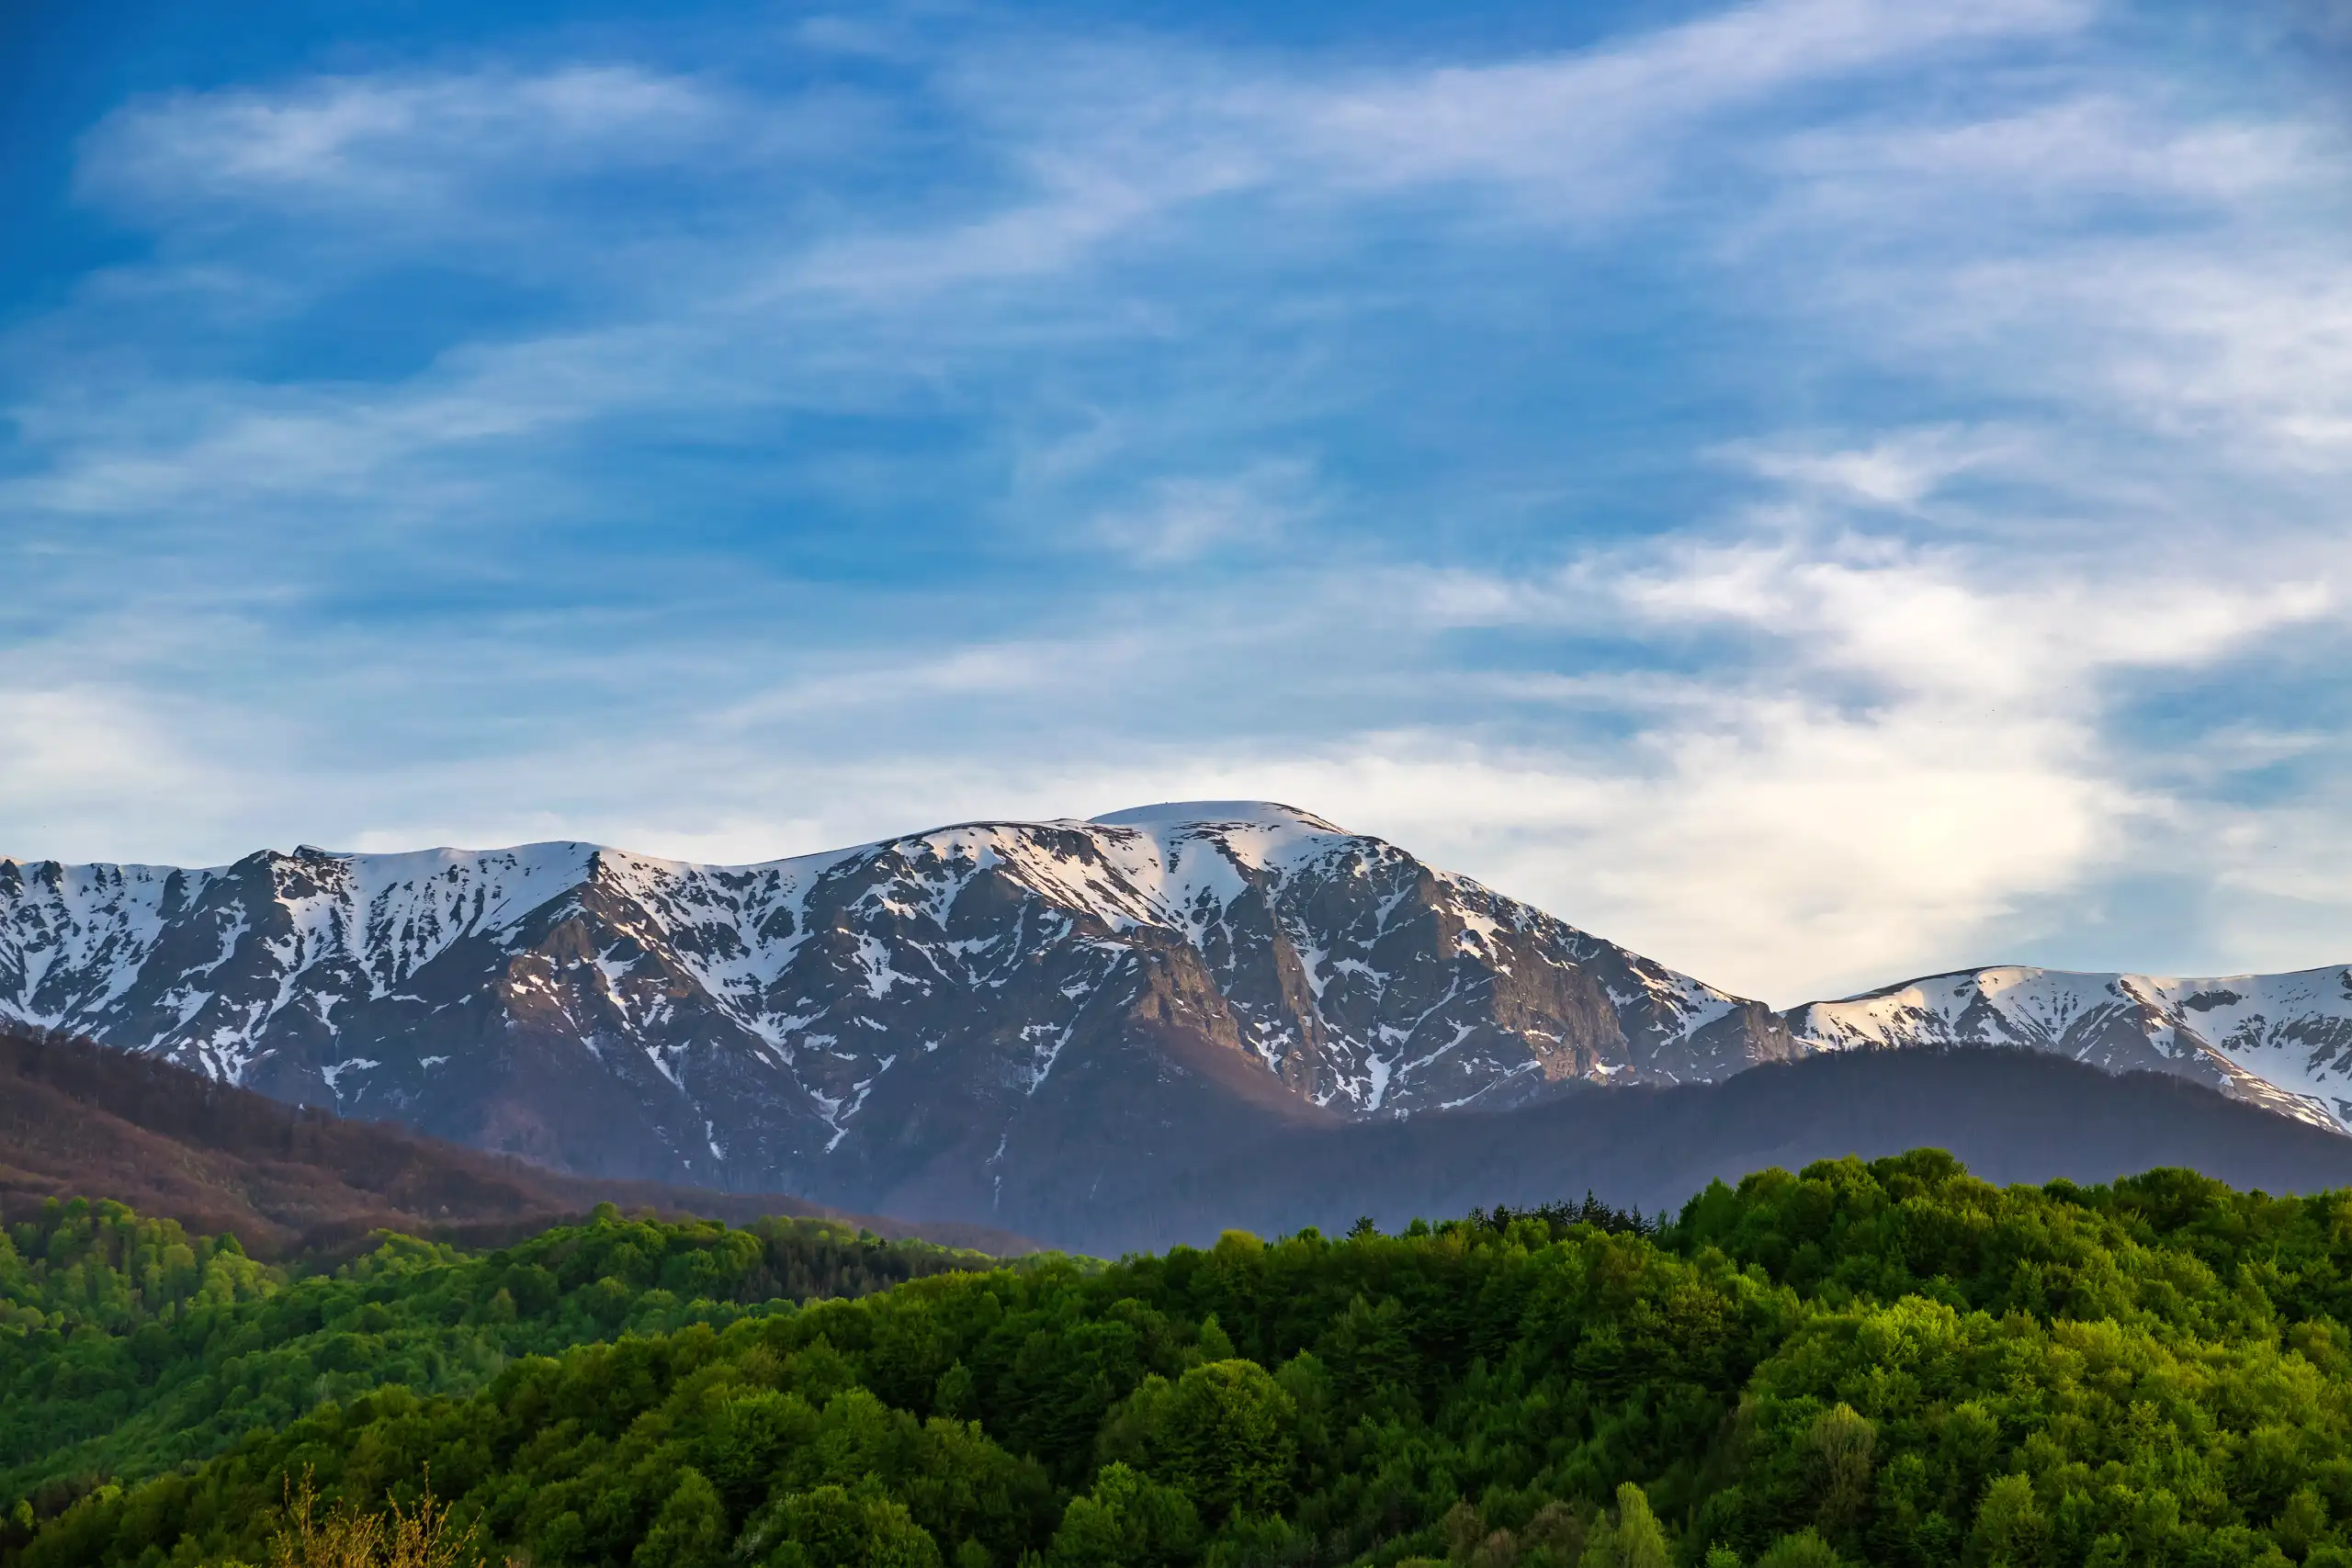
[(87, 765), (410, 142), (1897, 470), (1113, 140), (1911, 746), (1182, 518), (2095, 142), (1578, 125), (2109, 253), (1914, 620)]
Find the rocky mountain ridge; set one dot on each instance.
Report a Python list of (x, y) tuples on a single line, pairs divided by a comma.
[(2282, 1041), (918, 1022), (975, 1022)]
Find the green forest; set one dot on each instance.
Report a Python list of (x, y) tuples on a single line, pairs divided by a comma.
[(1872, 1363)]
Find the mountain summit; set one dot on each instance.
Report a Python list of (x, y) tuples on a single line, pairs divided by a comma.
[(932, 1024)]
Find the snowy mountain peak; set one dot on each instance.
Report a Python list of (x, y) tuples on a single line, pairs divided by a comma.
[(2281, 1041), (1203, 814), (788, 1021), (891, 1025)]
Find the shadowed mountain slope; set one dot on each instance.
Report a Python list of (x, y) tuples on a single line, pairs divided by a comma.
[(78, 1120), (2010, 1115)]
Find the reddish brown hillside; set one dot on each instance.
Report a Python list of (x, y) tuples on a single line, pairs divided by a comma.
[(78, 1120)]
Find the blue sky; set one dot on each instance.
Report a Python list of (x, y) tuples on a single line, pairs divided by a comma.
[(1818, 491)]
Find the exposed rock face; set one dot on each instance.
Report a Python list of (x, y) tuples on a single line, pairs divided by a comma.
[(2282, 1041), (965, 1023)]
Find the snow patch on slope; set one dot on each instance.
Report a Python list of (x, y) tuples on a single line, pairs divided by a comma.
[(2283, 1040), (817, 955)]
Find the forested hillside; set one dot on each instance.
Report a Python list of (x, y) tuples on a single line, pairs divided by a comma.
[(128, 1347), (1886, 1363)]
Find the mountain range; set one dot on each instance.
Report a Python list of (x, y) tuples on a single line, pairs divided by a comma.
[(982, 1020)]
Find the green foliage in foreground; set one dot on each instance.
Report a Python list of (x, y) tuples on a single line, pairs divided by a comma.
[(1889, 1363), (128, 1347)]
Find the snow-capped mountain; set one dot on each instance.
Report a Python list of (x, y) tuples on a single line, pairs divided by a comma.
[(993, 1020), (2283, 1041), (928, 1024)]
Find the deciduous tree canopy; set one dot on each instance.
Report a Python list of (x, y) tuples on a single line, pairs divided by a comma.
[(1883, 1363)]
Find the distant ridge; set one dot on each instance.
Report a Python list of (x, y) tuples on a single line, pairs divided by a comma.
[(2282, 1041), (2010, 1115)]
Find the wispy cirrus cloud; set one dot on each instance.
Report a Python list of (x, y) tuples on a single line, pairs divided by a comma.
[(1584, 127), (416, 144)]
